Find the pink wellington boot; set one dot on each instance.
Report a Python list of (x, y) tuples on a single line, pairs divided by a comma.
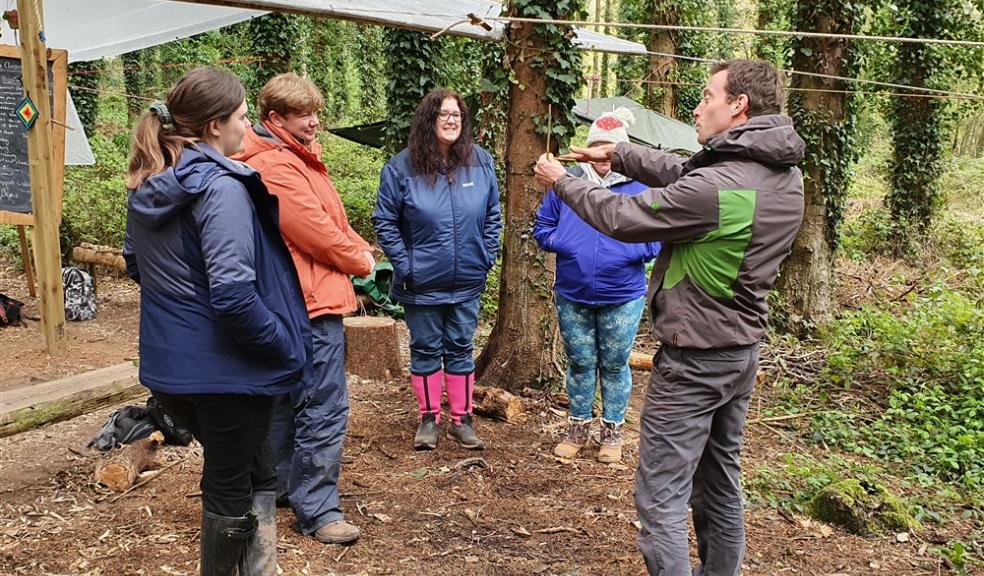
[(427, 389), (460, 388)]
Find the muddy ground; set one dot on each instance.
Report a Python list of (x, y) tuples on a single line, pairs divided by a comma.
[(512, 510)]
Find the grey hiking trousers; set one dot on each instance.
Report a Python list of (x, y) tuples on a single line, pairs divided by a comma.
[(690, 439)]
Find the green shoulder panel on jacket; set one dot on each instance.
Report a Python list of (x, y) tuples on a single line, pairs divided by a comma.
[(712, 261)]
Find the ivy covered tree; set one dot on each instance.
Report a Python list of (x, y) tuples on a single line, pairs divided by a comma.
[(372, 71), (414, 69), (546, 76), (280, 41), (774, 15), (920, 126), (824, 112), (83, 80), (665, 81)]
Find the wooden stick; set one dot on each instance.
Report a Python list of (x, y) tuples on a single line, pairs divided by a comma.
[(26, 257), (549, 125), (778, 418)]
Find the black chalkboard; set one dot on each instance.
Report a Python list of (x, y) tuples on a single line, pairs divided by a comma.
[(15, 180), (15, 177)]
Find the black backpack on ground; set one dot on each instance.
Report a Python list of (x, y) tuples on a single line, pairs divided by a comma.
[(132, 423), (10, 311)]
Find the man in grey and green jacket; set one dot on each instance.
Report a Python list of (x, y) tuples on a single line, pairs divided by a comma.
[(727, 217)]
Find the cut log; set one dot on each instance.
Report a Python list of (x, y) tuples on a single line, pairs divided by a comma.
[(496, 403), (107, 256), (120, 469), (640, 361), (372, 348)]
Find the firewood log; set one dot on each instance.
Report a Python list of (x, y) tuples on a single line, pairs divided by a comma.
[(120, 469), (496, 403)]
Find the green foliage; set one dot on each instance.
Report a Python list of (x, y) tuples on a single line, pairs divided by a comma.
[(920, 125), (558, 61), (95, 196), (355, 171), (689, 76), (414, 69), (335, 69), (281, 41), (930, 355), (492, 103), (490, 298), (372, 72), (83, 78), (775, 15)]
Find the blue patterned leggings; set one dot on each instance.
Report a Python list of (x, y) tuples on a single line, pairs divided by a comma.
[(598, 340)]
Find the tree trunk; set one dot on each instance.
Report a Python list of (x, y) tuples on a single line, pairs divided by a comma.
[(660, 94), (605, 86), (520, 350), (824, 119)]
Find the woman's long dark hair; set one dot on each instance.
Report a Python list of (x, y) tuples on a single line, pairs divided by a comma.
[(425, 157)]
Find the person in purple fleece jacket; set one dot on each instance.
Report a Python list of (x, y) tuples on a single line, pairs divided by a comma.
[(599, 294)]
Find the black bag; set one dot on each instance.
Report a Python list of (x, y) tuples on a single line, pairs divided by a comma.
[(174, 433), (80, 294), (10, 311), (132, 423), (126, 425)]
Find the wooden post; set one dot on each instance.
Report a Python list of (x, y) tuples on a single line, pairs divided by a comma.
[(26, 257), (34, 60)]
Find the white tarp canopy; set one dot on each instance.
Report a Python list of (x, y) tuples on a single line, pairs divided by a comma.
[(93, 29)]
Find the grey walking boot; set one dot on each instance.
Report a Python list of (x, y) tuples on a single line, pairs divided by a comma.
[(224, 541), (464, 434), (427, 432), (262, 547)]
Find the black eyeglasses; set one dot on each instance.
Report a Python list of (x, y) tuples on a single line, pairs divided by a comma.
[(444, 115)]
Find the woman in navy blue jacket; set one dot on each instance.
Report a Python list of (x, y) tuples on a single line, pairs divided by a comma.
[(223, 326), (599, 294), (438, 220)]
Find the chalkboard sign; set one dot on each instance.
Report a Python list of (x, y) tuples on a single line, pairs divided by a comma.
[(15, 180)]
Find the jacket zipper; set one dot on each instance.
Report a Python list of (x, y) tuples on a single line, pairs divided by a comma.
[(454, 243)]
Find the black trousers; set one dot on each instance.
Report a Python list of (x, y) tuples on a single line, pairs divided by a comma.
[(232, 429)]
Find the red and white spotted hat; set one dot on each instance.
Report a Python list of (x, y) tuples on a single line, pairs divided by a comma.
[(611, 126)]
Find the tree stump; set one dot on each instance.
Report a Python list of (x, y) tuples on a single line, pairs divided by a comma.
[(496, 403), (120, 470), (372, 348)]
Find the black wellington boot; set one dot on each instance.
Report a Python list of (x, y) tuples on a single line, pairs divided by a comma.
[(224, 541)]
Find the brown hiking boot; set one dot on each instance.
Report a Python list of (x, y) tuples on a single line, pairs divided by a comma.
[(610, 450), (340, 532), (577, 435)]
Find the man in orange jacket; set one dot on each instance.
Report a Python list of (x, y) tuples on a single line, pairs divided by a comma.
[(309, 428)]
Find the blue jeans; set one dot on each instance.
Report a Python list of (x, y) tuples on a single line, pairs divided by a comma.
[(598, 341), (308, 430), (442, 333)]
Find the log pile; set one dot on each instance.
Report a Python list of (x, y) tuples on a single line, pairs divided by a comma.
[(107, 256)]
